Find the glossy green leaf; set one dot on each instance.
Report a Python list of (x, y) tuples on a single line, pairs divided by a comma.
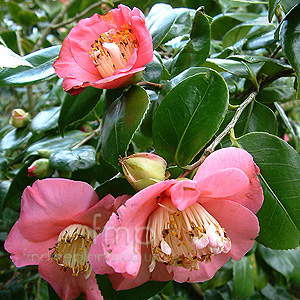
[(45, 120), (275, 292), (56, 143), (180, 128), (159, 21), (142, 292), (256, 117), (121, 121), (9, 59), (243, 277), (272, 8), (15, 138), (278, 260), (72, 160), (197, 48), (42, 61), (77, 107), (289, 37), (153, 70), (4, 187), (279, 166), (18, 185)]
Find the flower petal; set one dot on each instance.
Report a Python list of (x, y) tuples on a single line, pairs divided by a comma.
[(68, 286), (24, 252), (96, 216), (122, 234), (223, 183), (206, 270), (241, 225), (45, 209)]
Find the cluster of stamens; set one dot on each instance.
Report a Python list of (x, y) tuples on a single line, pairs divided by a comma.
[(184, 238), (112, 50), (72, 248)]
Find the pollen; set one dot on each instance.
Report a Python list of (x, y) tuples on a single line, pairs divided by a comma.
[(184, 238), (72, 248), (112, 50)]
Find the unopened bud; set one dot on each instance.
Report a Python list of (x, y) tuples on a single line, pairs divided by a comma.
[(40, 168), (143, 169), (19, 118), (44, 153)]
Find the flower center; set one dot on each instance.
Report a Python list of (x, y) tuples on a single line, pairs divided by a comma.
[(183, 238), (112, 50), (72, 248)]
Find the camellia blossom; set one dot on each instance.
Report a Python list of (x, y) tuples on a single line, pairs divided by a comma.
[(183, 229), (104, 51), (59, 219)]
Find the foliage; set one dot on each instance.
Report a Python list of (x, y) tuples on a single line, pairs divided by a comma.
[(225, 73)]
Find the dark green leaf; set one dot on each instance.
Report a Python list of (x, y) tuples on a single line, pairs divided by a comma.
[(142, 292), (272, 8), (279, 165), (77, 107), (278, 260), (243, 277), (4, 187), (277, 292), (289, 37), (42, 61), (121, 121), (153, 70), (56, 143), (72, 160), (160, 20), (197, 48), (180, 128), (15, 138), (45, 120)]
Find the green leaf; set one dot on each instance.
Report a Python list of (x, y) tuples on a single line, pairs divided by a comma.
[(289, 37), (77, 107), (45, 120), (278, 260), (121, 121), (243, 277), (56, 143), (42, 61), (9, 59), (180, 127), (18, 185), (159, 21), (154, 70), (72, 160), (15, 138), (279, 166), (197, 48), (272, 8), (142, 292)]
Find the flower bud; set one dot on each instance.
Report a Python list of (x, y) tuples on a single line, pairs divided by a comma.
[(40, 168), (143, 169), (44, 153), (19, 118)]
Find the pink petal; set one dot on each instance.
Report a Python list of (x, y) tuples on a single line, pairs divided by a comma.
[(223, 183), (160, 273), (24, 252), (96, 216), (51, 205), (68, 286), (184, 193), (122, 234), (206, 270), (227, 158), (241, 225)]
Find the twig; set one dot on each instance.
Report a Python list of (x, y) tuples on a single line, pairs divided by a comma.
[(60, 15), (96, 131), (152, 84), (273, 55), (78, 16)]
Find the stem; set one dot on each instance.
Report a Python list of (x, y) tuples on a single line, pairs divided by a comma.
[(96, 131), (233, 121), (60, 15), (152, 84)]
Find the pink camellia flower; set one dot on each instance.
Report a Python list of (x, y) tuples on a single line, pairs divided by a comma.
[(183, 230), (104, 51), (58, 221)]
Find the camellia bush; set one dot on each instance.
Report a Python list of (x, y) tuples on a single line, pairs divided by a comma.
[(149, 150)]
